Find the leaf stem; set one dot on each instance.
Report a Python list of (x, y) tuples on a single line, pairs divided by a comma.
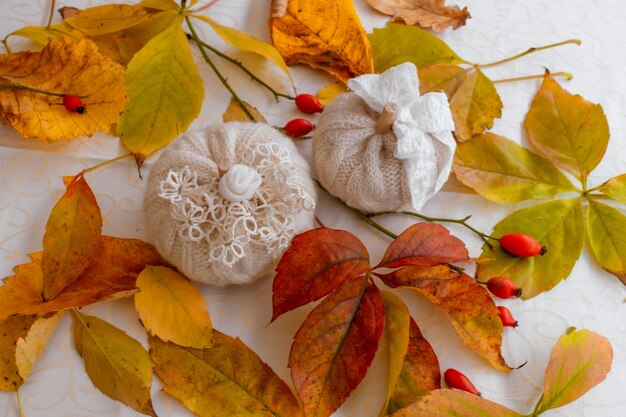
[(217, 72), (52, 7), (530, 51), (463, 222), (246, 70), (202, 8), (19, 403), (371, 222), (568, 76), (102, 164)]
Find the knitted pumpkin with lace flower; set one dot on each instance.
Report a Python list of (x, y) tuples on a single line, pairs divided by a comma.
[(222, 204)]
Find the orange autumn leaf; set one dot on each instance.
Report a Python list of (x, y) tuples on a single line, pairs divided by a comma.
[(111, 275), (63, 67), (325, 34), (72, 237), (428, 14)]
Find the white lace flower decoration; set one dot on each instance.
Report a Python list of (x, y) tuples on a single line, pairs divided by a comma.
[(176, 184)]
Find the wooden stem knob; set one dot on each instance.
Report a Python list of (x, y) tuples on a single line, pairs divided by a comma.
[(387, 117)]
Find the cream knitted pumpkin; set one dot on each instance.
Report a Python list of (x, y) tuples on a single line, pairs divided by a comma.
[(222, 204), (383, 147)]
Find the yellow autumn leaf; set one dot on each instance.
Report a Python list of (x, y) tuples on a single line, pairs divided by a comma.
[(62, 67), (234, 113), (171, 308), (245, 42), (165, 93), (325, 34), (11, 330), (41, 35), (28, 349), (108, 18), (330, 92), (160, 4), (116, 363)]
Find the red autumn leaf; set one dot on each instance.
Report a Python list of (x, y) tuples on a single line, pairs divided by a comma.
[(316, 264), (424, 244), (336, 345), (473, 315), (410, 276), (112, 274), (72, 238)]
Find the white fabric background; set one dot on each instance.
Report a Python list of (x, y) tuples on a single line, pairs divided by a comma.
[(590, 298)]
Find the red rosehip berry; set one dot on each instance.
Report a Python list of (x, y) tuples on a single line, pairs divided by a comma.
[(503, 288), (73, 104), (521, 245), (455, 379), (298, 127), (506, 317), (308, 103)]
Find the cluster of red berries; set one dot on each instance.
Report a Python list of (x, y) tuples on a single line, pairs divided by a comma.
[(73, 104), (299, 127)]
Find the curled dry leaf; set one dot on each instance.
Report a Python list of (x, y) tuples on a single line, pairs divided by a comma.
[(429, 14), (116, 363), (64, 67), (472, 313), (111, 275), (424, 244), (11, 330), (413, 365), (324, 34), (335, 346), (72, 238), (228, 379), (171, 308), (234, 113), (317, 262), (28, 349)]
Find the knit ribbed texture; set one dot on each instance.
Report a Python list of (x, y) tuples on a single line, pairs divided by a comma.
[(355, 163), (211, 239)]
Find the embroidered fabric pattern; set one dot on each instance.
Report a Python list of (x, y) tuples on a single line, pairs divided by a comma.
[(266, 219)]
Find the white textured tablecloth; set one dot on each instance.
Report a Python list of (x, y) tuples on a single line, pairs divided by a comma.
[(590, 298)]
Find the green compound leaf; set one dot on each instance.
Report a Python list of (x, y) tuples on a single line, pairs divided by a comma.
[(557, 225)]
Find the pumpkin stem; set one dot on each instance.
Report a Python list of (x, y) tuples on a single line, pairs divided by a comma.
[(387, 117)]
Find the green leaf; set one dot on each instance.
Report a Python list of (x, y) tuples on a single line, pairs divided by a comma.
[(171, 308), (116, 363), (109, 18), (505, 172), (570, 131), (615, 188), (245, 42), (557, 225), (396, 44), (453, 403), (413, 365), (580, 360), (605, 229), (165, 93), (228, 379)]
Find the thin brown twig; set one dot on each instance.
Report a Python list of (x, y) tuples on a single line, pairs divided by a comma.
[(52, 7)]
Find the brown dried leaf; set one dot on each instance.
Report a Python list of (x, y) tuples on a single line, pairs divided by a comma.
[(234, 113), (428, 14), (63, 67)]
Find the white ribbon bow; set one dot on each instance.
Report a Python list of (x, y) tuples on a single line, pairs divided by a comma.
[(422, 126)]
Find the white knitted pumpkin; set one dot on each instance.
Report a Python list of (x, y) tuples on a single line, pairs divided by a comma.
[(223, 203), (383, 147)]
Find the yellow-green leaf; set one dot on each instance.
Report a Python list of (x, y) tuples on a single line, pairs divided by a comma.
[(570, 131), (116, 363), (328, 93), (109, 18), (160, 4), (155, 24), (454, 403), (396, 44), (615, 188), (235, 113), (28, 348), (557, 225), (171, 308), (505, 172), (165, 93), (245, 42), (72, 238), (41, 35), (413, 365), (228, 379), (580, 360), (605, 229), (11, 330)]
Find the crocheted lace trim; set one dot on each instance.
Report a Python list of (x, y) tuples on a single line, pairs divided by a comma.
[(266, 219)]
